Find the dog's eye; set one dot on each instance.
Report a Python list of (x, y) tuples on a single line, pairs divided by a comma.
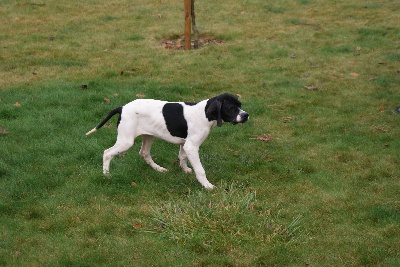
[(232, 107)]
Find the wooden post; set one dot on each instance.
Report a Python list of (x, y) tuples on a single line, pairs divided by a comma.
[(188, 26), (194, 27)]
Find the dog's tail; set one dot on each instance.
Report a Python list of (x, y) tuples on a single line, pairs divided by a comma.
[(109, 115)]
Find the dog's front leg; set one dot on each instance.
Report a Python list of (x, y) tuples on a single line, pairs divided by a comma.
[(183, 160), (192, 152)]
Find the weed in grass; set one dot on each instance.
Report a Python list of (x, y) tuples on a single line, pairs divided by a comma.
[(224, 220)]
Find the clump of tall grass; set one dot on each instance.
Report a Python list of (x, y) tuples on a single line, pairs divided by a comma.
[(222, 220)]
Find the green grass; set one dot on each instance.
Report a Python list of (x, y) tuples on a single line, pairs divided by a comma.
[(323, 192)]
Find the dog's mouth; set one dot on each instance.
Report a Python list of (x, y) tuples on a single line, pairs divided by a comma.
[(242, 119), (238, 122)]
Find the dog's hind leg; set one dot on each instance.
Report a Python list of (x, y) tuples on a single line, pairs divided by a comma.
[(183, 160), (147, 141), (124, 142)]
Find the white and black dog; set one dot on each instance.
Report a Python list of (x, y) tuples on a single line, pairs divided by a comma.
[(183, 123)]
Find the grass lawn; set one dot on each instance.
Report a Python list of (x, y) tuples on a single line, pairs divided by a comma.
[(320, 80)]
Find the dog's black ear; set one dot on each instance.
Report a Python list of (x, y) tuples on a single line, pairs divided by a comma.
[(214, 112), (219, 119)]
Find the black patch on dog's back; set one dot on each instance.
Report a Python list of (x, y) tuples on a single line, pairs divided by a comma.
[(175, 120), (191, 103)]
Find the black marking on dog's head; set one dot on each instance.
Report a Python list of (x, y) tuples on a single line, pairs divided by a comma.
[(225, 107), (175, 120)]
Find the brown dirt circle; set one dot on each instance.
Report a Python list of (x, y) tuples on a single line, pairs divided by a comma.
[(179, 44)]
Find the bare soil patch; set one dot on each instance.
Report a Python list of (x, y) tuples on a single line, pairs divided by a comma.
[(179, 43)]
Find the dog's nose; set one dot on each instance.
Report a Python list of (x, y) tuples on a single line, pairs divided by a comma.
[(244, 116)]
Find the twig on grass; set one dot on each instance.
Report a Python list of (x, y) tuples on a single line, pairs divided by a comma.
[(308, 24)]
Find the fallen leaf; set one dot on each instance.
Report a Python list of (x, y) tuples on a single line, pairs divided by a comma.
[(353, 74), (133, 184), (107, 100), (287, 119), (4, 131), (140, 95), (17, 104), (116, 94), (380, 128), (264, 137), (312, 87), (382, 109), (137, 225)]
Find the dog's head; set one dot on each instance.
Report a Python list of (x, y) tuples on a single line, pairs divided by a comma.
[(227, 108)]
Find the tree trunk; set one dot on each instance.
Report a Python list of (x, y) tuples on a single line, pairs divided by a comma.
[(188, 28), (194, 27)]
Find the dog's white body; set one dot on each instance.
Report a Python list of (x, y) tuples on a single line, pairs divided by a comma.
[(184, 124), (144, 116)]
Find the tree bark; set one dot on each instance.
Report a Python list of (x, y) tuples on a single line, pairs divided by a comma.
[(194, 27), (188, 28)]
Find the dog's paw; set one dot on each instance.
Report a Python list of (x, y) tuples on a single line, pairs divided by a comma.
[(107, 174), (162, 169), (188, 170), (209, 186)]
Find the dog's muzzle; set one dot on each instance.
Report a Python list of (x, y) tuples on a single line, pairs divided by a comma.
[(242, 117)]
